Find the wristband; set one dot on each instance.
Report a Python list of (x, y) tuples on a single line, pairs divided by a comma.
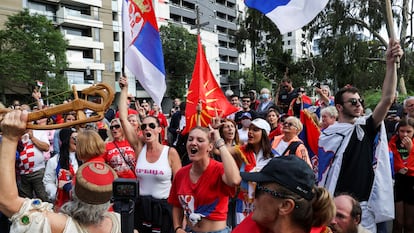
[(176, 229), (219, 143)]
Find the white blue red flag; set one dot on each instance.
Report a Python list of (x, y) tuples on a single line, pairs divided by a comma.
[(143, 49), (288, 15)]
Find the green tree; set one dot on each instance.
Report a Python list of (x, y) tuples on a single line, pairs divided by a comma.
[(270, 62), (31, 49), (249, 82), (341, 25), (180, 48)]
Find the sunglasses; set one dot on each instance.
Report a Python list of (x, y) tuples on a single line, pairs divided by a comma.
[(114, 127), (354, 101), (151, 125), (288, 124), (261, 190), (74, 139)]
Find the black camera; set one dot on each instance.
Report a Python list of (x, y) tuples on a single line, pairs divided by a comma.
[(125, 192), (125, 189), (318, 85)]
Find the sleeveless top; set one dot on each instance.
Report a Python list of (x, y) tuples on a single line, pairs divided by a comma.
[(154, 178)]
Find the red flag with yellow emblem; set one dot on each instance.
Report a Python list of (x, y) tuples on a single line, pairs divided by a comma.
[(205, 90)]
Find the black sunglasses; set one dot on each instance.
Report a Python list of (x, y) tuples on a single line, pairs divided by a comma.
[(151, 125), (261, 189), (114, 127), (354, 101), (288, 124)]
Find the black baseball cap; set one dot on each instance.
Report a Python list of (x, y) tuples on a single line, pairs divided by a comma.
[(288, 171)]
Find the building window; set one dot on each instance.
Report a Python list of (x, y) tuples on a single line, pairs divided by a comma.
[(288, 42), (289, 34)]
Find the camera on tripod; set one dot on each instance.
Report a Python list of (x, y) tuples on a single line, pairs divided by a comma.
[(125, 192)]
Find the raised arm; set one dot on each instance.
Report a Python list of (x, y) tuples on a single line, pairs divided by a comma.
[(129, 131), (13, 127), (231, 174), (390, 82)]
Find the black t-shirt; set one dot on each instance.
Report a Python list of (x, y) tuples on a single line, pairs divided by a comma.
[(357, 174), (285, 98)]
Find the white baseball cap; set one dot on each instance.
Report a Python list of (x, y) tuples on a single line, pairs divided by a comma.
[(261, 124)]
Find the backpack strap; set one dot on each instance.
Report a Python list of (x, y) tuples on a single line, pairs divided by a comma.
[(293, 146)]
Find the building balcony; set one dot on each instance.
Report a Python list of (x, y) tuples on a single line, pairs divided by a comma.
[(75, 18), (224, 65), (86, 64), (97, 3), (228, 52), (83, 42)]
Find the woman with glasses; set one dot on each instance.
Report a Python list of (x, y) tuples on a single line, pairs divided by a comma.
[(201, 190), (61, 168), (119, 153), (155, 168), (287, 200), (289, 142), (402, 148)]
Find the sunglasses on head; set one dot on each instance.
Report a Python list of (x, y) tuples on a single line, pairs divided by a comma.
[(354, 101), (114, 127), (151, 125)]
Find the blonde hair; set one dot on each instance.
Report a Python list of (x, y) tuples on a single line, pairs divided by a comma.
[(89, 145), (314, 213)]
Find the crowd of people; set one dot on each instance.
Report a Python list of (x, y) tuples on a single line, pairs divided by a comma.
[(247, 172)]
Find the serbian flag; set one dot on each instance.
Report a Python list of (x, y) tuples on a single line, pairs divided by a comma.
[(205, 92), (288, 15), (310, 136), (143, 49)]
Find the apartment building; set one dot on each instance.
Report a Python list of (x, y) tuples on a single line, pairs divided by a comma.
[(92, 29), (297, 44), (218, 21)]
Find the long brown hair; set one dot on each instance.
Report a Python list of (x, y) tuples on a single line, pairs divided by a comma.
[(264, 144)]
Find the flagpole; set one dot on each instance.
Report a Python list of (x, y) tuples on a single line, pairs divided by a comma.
[(198, 108), (390, 21)]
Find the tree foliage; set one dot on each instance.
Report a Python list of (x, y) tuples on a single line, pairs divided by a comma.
[(351, 58), (30, 49), (180, 48)]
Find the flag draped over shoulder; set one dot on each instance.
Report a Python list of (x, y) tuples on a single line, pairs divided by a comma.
[(143, 49), (204, 90), (288, 15)]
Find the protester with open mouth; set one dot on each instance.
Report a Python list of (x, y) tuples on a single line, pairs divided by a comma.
[(156, 166), (201, 190)]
